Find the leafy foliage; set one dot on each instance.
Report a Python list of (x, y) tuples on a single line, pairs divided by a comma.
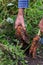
[(8, 12)]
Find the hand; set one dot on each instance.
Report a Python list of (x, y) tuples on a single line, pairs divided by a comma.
[(41, 25), (20, 20)]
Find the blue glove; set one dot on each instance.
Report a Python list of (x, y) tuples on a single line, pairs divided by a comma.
[(41, 40)]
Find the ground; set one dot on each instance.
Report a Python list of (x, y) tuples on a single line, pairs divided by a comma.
[(37, 61)]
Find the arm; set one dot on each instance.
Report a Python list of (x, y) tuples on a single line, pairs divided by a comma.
[(20, 17)]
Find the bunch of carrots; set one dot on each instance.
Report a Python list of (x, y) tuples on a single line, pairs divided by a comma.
[(22, 34)]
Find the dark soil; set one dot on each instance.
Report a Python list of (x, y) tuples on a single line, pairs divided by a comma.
[(31, 61), (37, 61), (34, 61)]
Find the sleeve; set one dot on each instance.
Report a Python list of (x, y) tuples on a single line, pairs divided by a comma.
[(22, 3)]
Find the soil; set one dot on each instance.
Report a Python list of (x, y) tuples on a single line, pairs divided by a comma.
[(31, 61), (34, 61), (37, 61)]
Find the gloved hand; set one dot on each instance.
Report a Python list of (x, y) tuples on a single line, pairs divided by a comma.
[(41, 40)]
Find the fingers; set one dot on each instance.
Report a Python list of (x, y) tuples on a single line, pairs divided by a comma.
[(16, 25), (41, 30), (20, 21), (23, 26), (41, 25)]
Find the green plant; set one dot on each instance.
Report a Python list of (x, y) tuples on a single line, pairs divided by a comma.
[(8, 12)]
